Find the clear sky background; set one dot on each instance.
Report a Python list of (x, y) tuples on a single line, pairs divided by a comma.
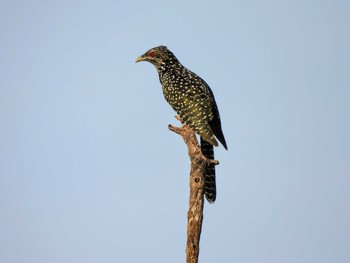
[(90, 173)]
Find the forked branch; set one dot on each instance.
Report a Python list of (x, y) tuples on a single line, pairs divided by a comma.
[(196, 200)]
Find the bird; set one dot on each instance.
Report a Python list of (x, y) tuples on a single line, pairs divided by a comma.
[(193, 100)]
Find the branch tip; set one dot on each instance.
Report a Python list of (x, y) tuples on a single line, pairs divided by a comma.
[(174, 129), (215, 162)]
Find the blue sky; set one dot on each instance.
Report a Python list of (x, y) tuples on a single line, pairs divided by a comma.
[(90, 173)]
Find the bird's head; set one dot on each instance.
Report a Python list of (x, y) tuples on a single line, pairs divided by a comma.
[(159, 56)]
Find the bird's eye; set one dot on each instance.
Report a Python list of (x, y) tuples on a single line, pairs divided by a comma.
[(151, 54)]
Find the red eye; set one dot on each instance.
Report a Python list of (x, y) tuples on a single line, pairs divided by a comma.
[(151, 54)]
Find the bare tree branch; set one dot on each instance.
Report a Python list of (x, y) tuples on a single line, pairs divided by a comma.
[(196, 200)]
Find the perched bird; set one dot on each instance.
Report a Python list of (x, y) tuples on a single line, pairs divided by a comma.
[(193, 100)]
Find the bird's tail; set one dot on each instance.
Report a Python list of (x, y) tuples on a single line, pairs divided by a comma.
[(209, 177)]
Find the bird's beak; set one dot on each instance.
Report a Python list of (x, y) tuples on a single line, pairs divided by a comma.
[(140, 58)]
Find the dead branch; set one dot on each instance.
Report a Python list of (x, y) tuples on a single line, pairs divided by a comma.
[(196, 199)]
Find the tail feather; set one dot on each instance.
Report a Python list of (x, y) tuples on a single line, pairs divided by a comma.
[(209, 184)]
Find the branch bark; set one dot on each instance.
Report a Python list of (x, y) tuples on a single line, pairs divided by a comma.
[(196, 199)]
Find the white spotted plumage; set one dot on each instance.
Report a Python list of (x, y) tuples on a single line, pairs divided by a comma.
[(193, 100)]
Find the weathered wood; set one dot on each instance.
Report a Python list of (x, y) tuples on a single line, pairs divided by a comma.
[(196, 199)]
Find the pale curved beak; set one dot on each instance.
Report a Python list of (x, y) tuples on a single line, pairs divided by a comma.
[(140, 58)]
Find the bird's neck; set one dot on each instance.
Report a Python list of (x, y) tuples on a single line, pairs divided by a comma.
[(165, 66)]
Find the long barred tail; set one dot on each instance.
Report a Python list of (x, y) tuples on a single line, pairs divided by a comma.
[(209, 184)]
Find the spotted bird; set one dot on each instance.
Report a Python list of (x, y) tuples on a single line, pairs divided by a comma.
[(193, 100)]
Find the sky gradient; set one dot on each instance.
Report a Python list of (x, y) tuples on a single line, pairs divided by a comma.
[(90, 173)]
